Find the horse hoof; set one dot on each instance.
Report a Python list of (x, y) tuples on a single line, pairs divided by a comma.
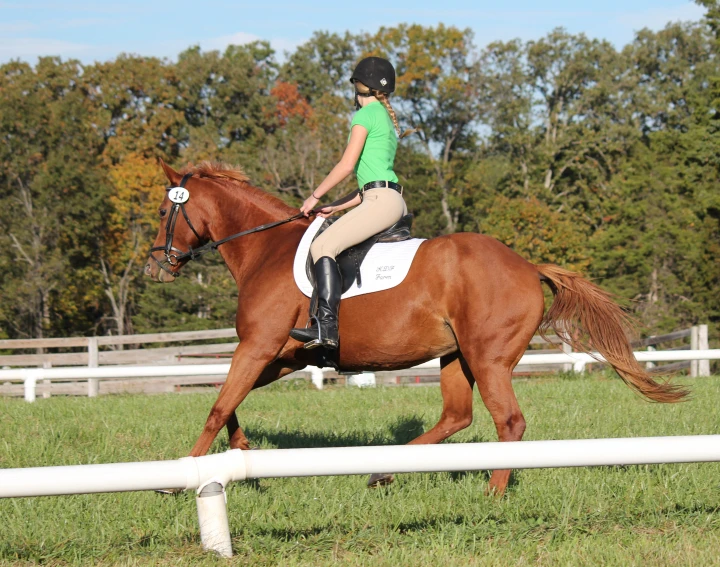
[(172, 491), (380, 479), (494, 492)]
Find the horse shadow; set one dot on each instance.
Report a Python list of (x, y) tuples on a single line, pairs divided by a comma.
[(400, 432)]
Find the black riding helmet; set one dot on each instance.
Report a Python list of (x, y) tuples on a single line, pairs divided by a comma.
[(376, 73)]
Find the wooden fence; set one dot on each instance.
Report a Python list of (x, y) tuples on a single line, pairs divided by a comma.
[(112, 350), (100, 351), (699, 340), (92, 355)]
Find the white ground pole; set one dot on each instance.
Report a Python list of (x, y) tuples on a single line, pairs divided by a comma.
[(579, 360), (210, 474)]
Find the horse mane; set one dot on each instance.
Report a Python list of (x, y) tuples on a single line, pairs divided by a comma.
[(216, 170), (233, 173)]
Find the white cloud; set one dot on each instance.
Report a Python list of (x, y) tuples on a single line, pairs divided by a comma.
[(280, 45), (220, 43), (16, 27), (81, 22), (83, 7), (658, 18), (29, 49)]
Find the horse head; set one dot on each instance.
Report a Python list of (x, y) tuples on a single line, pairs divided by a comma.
[(209, 202), (184, 225)]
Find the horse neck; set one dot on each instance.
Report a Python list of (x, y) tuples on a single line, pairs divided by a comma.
[(237, 209)]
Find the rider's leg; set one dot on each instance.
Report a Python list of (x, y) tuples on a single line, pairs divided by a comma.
[(380, 209), (329, 288)]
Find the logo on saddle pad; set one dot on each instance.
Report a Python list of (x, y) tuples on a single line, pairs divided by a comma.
[(383, 272), (385, 266)]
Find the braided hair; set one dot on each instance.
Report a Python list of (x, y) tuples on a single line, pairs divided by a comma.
[(384, 99)]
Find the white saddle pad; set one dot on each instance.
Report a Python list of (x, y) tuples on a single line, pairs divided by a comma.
[(385, 266)]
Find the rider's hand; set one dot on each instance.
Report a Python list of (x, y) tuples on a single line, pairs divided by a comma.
[(308, 205), (325, 212)]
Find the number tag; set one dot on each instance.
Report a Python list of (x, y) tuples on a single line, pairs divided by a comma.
[(178, 195)]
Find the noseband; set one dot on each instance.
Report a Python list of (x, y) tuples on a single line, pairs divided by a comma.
[(173, 256)]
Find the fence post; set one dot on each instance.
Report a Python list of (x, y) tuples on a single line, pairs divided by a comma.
[(317, 376), (703, 344), (48, 383), (567, 349), (649, 365), (30, 384), (694, 341), (93, 384)]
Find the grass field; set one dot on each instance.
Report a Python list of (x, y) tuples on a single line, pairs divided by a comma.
[(638, 515)]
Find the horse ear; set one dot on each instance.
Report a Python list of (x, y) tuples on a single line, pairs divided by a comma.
[(173, 176)]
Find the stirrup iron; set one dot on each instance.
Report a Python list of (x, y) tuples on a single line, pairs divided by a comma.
[(315, 343), (320, 341)]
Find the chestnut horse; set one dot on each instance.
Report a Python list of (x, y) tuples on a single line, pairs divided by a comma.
[(467, 299)]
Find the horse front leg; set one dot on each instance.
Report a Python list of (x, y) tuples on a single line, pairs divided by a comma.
[(273, 372), (250, 365), (235, 433)]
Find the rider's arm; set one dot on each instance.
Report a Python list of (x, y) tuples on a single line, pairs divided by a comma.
[(356, 200), (345, 167)]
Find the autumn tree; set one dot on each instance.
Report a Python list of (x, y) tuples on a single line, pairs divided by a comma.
[(53, 197)]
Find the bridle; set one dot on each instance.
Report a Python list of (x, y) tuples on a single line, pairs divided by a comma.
[(174, 256)]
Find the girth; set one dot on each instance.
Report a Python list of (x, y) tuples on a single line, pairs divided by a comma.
[(350, 260)]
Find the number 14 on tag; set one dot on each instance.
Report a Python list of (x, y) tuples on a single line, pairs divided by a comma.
[(178, 194)]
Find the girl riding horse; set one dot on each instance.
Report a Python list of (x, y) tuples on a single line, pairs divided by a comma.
[(370, 153)]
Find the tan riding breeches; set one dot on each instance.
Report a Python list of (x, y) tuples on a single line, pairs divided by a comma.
[(381, 208)]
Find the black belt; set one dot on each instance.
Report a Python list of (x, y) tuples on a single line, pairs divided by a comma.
[(381, 185)]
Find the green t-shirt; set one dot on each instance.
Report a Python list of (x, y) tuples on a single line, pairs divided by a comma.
[(378, 153)]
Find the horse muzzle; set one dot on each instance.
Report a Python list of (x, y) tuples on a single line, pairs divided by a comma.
[(158, 272)]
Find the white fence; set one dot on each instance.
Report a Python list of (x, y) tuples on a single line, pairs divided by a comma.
[(210, 474), (91, 354), (31, 376), (107, 350)]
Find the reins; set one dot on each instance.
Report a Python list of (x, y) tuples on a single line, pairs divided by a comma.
[(173, 256), (211, 246)]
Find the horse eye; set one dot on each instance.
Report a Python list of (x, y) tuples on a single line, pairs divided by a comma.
[(163, 212)]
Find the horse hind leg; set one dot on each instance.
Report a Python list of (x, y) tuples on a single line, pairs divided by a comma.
[(456, 385), (494, 382)]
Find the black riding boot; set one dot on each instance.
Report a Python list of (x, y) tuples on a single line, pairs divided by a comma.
[(329, 289)]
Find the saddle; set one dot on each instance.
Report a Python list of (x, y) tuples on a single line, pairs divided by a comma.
[(350, 260)]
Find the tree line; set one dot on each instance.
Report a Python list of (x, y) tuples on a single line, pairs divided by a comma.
[(567, 149)]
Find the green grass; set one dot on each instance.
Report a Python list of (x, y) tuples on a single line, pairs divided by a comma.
[(638, 515)]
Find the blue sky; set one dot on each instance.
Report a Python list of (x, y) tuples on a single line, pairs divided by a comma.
[(92, 31)]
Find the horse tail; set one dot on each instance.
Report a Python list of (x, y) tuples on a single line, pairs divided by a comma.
[(586, 317)]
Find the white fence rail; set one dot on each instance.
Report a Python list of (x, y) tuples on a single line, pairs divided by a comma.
[(210, 474), (94, 350), (31, 376)]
